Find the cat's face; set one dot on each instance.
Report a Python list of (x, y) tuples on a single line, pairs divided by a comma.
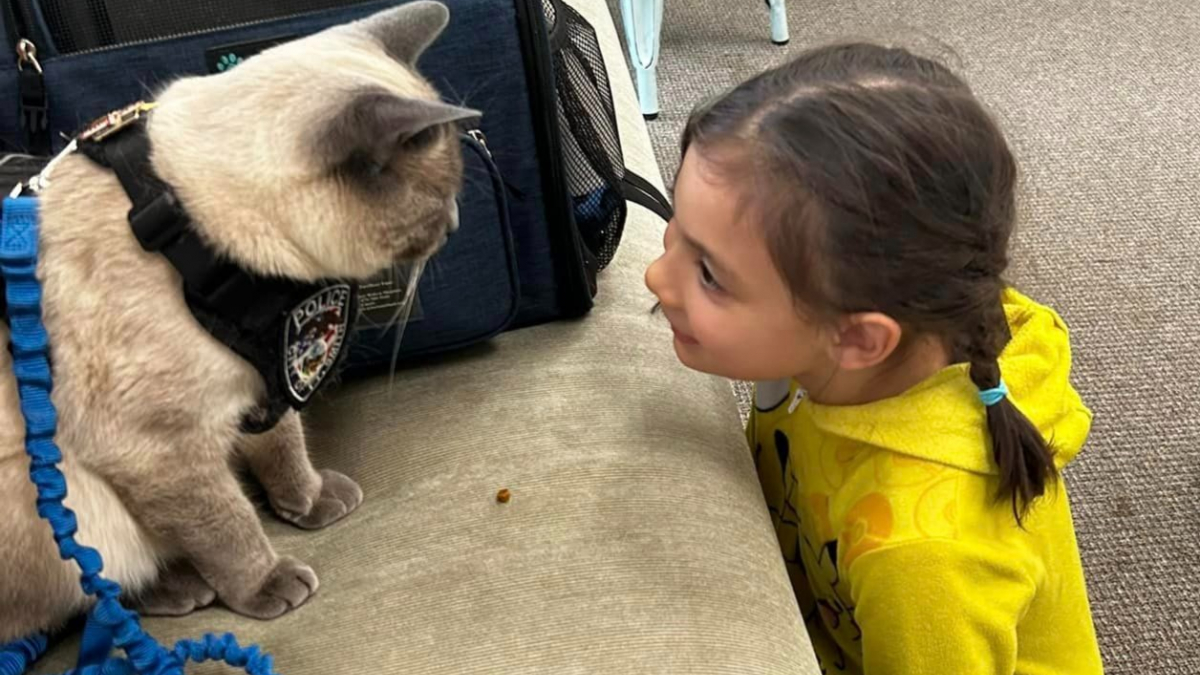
[(326, 156)]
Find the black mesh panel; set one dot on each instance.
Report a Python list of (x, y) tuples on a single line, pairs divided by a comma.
[(591, 146)]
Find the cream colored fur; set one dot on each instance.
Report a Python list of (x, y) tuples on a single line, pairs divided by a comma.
[(149, 403)]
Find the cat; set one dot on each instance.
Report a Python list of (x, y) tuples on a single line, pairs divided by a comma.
[(325, 157)]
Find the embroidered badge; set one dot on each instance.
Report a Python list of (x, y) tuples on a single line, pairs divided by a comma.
[(314, 337)]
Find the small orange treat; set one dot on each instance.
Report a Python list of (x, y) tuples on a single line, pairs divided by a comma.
[(503, 496)]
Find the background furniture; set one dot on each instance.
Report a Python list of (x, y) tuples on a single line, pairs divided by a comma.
[(643, 26)]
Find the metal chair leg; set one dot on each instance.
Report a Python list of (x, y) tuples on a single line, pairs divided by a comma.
[(779, 25), (643, 26)]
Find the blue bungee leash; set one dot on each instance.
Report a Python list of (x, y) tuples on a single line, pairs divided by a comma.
[(109, 624)]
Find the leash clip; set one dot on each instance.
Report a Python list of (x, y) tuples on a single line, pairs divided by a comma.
[(115, 121)]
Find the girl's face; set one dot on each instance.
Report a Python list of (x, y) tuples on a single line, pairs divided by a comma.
[(730, 309)]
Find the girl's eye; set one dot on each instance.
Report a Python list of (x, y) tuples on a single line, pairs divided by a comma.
[(707, 279)]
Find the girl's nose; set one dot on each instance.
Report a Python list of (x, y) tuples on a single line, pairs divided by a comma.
[(658, 280), (654, 277)]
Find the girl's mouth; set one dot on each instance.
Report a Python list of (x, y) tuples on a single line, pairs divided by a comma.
[(682, 337)]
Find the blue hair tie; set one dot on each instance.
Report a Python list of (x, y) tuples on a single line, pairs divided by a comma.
[(990, 397)]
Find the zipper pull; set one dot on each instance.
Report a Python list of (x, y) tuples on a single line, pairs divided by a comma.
[(796, 400), (481, 140), (35, 109)]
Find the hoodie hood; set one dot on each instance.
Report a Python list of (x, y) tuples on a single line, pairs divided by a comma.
[(942, 420)]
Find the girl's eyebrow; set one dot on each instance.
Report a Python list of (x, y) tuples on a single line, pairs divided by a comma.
[(715, 263)]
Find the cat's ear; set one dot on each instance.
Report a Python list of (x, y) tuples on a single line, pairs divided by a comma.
[(408, 30), (377, 125)]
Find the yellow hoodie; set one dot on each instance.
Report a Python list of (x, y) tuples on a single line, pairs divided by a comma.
[(902, 558)]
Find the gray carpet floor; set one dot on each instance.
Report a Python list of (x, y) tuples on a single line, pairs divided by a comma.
[(1101, 101)]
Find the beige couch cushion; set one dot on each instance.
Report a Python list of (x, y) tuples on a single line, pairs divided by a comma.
[(636, 540)]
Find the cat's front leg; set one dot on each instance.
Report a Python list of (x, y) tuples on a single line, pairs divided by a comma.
[(299, 493), (198, 510)]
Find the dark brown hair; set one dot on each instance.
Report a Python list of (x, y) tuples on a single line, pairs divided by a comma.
[(883, 185)]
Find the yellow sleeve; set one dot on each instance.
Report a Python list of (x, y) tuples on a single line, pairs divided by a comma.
[(938, 606)]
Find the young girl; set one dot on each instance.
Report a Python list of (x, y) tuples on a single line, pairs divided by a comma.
[(842, 224)]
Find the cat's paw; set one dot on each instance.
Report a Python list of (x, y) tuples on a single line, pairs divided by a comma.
[(179, 590), (287, 587), (339, 496)]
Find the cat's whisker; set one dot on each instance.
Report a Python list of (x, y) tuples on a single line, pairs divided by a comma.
[(432, 271), (150, 91), (391, 323), (475, 89), (459, 100), (400, 320)]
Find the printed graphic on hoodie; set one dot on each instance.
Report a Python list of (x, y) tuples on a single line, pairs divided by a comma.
[(902, 559)]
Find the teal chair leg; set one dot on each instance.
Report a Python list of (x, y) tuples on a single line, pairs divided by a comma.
[(779, 25), (643, 24)]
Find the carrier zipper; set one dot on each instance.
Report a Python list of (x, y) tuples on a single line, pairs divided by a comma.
[(31, 84), (201, 31), (31, 88), (481, 139)]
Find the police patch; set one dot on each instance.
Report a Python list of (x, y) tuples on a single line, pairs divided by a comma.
[(314, 338)]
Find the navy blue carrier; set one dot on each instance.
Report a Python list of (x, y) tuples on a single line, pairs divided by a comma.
[(535, 233)]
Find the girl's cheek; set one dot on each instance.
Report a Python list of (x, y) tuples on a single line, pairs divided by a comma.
[(703, 319)]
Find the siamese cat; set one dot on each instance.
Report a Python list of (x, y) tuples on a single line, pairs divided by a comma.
[(326, 157)]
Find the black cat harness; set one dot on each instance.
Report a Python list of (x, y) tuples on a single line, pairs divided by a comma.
[(294, 333)]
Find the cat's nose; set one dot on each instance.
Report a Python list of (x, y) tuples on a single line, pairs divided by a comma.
[(452, 226)]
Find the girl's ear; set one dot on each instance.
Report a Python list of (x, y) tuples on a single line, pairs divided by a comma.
[(865, 340)]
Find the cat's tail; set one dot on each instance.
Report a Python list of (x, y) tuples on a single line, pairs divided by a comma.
[(17, 657)]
